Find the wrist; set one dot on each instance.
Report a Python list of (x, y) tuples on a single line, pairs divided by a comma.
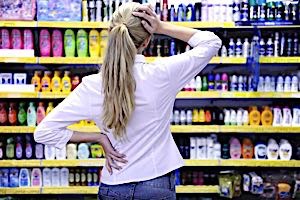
[(161, 28), (100, 138)]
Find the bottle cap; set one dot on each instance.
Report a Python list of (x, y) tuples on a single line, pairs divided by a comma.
[(224, 77), (217, 77)]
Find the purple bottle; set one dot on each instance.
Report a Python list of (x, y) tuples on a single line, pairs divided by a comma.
[(218, 82)]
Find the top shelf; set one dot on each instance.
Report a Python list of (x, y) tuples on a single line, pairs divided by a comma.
[(104, 25)]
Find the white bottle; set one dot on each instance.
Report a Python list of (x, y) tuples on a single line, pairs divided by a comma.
[(273, 84), (287, 117), (64, 177), (193, 147), (295, 84), (49, 152), (245, 118), (287, 84), (277, 118), (279, 86), (231, 49), (198, 83), (296, 117), (233, 120), (285, 150), (227, 117), (267, 87), (71, 151), (241, 83), (189, 117), (99, 10), (83, 151), (193, 84), (229, 11), (261, 84), (272, 150), (223, 51), (47, 177), (239, 117), (202, 148), (210, 148), (182, 117), (276, 45), (217, 151), (61, 154), (204, 10), (260, 151), (176, 117), (246, 48), (55, 177), (238, 48)]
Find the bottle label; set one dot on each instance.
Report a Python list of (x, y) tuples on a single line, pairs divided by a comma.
[(28, 150), (262, 51), (19, 151), (270, 51), (238, 50), (22, 117)]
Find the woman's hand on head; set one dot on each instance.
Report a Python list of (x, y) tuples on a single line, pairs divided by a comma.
[(111, 155), (150, 20)]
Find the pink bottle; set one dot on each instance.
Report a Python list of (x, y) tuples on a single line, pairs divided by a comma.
[(4, 39), (28, 39), (57, 43), (16, 38), (40, 113), (235, 148), (45, 43)]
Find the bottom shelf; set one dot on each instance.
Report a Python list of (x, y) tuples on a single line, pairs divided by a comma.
[(93, 190)]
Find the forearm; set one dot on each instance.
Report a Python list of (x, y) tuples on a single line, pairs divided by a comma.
[(78, 137), (178, 32)]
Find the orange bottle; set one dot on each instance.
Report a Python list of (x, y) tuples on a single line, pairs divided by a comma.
[(267, 117), (254, 116), (46, 82), (207, 117), (3, 114), (247, 149), (12, 114), (36, 81)]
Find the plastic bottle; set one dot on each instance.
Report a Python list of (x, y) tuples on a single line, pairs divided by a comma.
[(47, 177), (36, 177), (24, 178), (279, 86), (189, 117), (218, 82), (261, 84), (231, 49), (10, 148), (36, 81), (55, 177), (195, 116), (254, 116), (295, 45), (227, 117), (201, 116), (39, 151), (56, 82), (46, 82), (11, 180), (19, 148), (69, 43), (31, 115), (238, 48), (66, 82), (235, 148), (277, 120), (234, 83), (49, 152), (204, 84), (40, 113), (64, 177), (287, 84), (28, 147), (61, 154), (262, 47), (287, 117), (82, 43), (223, 51), (83, 151), (182, 117), (57, 43), (1, 149), (198, 83), (49, 108), (236, 10), (233, 117), (241, 83), (45, 43), (224, 82), (94, 43), (273, 84), (260, 151), (28, 39), (270, 48), (12, 114), (5, 38), (295, 84), (3, 114), (245, 117), (211, 82), (16, 38), (246, 48), (267, 85), (239, 117), (193, 148), (103, 42), (267, 117), (176, 117), (247, 149), (288, 49), (22, 114), (276, 45)]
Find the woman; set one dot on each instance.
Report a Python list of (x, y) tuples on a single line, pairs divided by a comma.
[(131, 102)]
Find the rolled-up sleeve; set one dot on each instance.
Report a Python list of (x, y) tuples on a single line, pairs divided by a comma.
[(183, 67), (53, 129)]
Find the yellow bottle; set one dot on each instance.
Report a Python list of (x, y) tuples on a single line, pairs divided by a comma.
[(267, 117), (66, 82), (254, 116), (201, 116), (195, 116), (94, 41), (36, 81), (103, 42), (46, 81), (56, 82), (49, 108)]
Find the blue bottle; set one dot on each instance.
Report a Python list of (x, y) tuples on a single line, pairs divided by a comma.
[(238, 48), (181, 13), (231, 49), (172, 48), (211, 82), (172, 14), (244, 11), (190, 13), (177, 177), (218, 82), (4, 178), (13, 177)]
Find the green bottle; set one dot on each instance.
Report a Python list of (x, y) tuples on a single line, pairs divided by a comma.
[(204, 84), (10, 148), (69, 43), (82, 43), (22, 115)]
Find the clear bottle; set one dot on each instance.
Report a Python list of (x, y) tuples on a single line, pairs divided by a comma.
[(31, 115), (276, 45), (238, 48), (246, 48), (270, 47)]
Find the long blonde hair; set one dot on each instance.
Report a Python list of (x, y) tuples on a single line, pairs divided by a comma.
[(126, 35)]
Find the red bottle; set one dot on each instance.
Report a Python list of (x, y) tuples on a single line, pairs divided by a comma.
[(75, 82), (3, 114), (12, 114)]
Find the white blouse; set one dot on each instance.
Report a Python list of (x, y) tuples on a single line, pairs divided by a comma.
[(150, 149)]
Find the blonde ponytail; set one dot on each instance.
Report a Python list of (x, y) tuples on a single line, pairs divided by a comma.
[(125, 37)]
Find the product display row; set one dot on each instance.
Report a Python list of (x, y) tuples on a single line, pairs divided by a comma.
[(260, 148), (226, 82), (237, 117), (55, 177)]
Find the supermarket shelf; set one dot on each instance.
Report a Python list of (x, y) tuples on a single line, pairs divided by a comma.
[(219, 94), (52, 95), (20, 24), (70, 190), (259, 163), (175, 129), (29, 95), (28, 60), (200, 163), (20, 163), (57, 24), (203, 189), (73, 163), (22, 190), (70, 60), (279, 60)]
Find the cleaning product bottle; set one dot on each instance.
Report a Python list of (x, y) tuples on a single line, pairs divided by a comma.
[(208, 117), (287, 117), (1, 149), (182, 117), (295, 84), (238, 48), (36, 81), (296, 117), (103, 42), (224, 82), (204, 84), (56, 82), (82, 43), (28, 39), (280, 82), (239, 117), (61, 154), (233, 117), (36, 177), (40, 113), (195, 117), (10, 148), (267, 117), (12, 114), (260, 151), (193, 148), (254, 116), (201, 116), (55, 177), (19, 148), (66, 82), (39, 151), (287, 84), (24, 178), (227, 117), (31, 115), (49, 152), (69, 43), (246, 48), (245, 119), (64, 177), (247, 149), (16, 38), (13, 178), (28, 147), (5, 38), (272, 150), (231, 49), (49, 108), (278, 120), (211, 82), (189, 117), (198, 83), (3, 114), (267, 86), (94, 43), (71, 151), (57, 43), (285, 150), (46, 82), (22, 114), (47, 177), (234, 83), (45, 43), (218, 82), (235, 148)]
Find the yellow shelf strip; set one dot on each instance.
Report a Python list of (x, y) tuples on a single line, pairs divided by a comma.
[(20, 163), (73, 163), (59, 24), (70, 60), (70, 190), (281, 60), (29, 60), (32, 95), (201, 189), (20, 24), (20, 190), (202, 163)]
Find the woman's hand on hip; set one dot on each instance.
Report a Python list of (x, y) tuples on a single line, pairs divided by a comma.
[(111, 155), (150, 20)]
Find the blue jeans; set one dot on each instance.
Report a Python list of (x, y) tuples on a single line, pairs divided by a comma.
[(160, 188)]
